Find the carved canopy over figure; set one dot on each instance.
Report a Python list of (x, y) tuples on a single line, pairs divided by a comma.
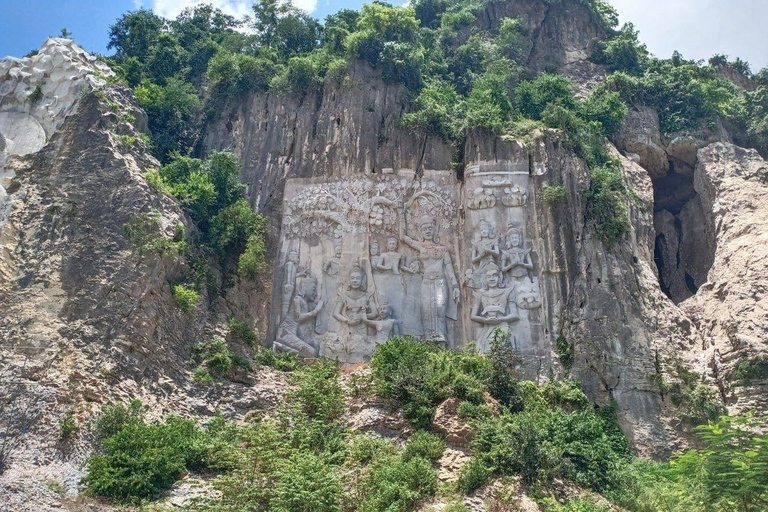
[(439, 286), (296, 331), (493, 305)]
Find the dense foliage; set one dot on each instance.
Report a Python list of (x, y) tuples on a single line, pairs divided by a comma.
[(211, 192), (301, 453), (461, 77)]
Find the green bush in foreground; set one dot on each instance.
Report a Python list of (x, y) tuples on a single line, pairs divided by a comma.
[(141, 460)]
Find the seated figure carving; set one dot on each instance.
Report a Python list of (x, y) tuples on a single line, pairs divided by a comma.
[(296, 331), (493, 306)]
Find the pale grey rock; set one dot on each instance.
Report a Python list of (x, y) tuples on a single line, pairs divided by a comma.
[(61, 70), (24, 132), (731, 309), (682, 151), (640, 134)]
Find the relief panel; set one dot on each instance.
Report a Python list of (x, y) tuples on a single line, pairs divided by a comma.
[(364, 259)]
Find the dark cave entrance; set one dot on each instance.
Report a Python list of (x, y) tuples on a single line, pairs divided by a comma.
[(685, 248)]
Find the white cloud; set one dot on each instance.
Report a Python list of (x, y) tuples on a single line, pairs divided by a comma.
[(701, 28), (172, 8)]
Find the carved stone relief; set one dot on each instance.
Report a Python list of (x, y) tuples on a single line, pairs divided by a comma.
[(364, 259), (500, 260), (384, 248)]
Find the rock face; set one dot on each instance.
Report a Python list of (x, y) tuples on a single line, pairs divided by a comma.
[(731, 309), (85, 317), (372, 232)]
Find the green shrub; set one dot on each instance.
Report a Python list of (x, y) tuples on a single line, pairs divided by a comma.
[(145, 234), (470, 411), (622, 52), (420, 375), (187, 299), (68, 427), (425, 445), (473, 475), (36, 95), (581, 505), (747, 370), (215, 356), (285, 361), (505, 363), (605, 204), (307, 482), (114, 418), (565, 351), (366, 447), (242, 332), (202, 376), (532, 97), (554, 195), (142, 460), (253, 258), (396, 485), (318, 394)]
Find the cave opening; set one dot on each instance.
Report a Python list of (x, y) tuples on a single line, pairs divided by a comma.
[(684, 248)]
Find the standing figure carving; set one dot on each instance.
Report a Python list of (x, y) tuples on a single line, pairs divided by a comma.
[(516, 261), (289, 282), (354, 305), (439, 287), (376, 259), (331, 269), (486, 248), (390, 282), (493, 306), (296, 331)]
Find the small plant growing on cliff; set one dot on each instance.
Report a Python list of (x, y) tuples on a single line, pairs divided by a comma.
[(565, 350), (748, 370), (114, 418), (187, 299), (252, 260), (145, 233), (68, 426), (36, 95), (214, 356), (606, 207), (242, 332), (554, 195)]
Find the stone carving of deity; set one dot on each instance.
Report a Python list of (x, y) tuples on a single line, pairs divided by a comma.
[(514, 197), (516, 259), (439, 294), (385, 326), (289, 281), (390, 282), (493, 306), (376, 259), (482, 199), (331, 269), (355, 305), (296, 331), (486, 247), (333, 265)]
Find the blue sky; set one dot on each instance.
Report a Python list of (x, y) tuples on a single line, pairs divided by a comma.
[(698, 28)]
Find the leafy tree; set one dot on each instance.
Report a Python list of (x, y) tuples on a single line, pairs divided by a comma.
[(135, 33), (733, 467)]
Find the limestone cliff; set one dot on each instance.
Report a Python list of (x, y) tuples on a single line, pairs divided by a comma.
[(86, 318)]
